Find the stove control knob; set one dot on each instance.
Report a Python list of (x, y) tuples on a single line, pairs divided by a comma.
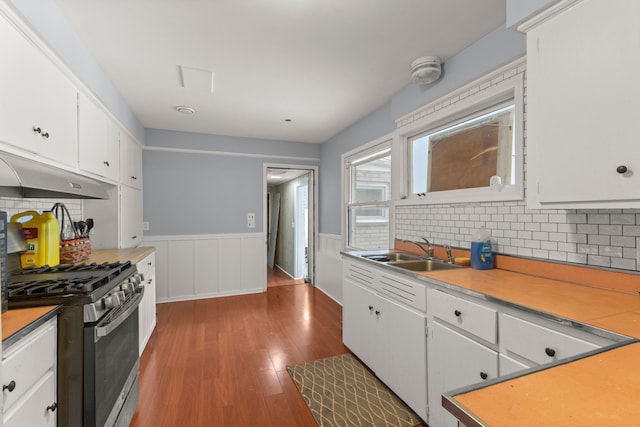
[(109, 302)]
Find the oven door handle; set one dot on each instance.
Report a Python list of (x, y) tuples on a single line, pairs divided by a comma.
[(102, 330)]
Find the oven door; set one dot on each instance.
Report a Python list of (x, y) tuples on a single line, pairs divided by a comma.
[(111, 364)]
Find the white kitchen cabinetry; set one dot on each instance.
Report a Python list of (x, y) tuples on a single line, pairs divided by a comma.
[(147, 308), (29, 375), (39, 103), (460, 333), (583, 99), (98, 140), (130, 216), (130, 161), (385, 331)]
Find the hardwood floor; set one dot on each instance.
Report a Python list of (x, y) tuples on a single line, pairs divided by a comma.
[(277, 277), (222, 361)]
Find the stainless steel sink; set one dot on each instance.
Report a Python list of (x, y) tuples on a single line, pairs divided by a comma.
[(424, 265), (392, 257)]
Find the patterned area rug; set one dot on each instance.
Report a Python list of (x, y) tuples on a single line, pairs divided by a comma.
[(340, 391)]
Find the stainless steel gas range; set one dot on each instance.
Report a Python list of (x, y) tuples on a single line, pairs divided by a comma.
[(97, 337)]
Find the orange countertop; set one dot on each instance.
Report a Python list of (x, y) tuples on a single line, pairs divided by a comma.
[(134, 255), (600, 390), (611, 310), (15, 321)]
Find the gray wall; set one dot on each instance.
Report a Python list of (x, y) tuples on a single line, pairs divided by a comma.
[(211, 190), (518, 10), (495, 49)]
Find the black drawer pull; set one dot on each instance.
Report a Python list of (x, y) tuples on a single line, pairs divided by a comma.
[(484, 375), (52, 407), (11, 386), (457, 313), (550, 352)]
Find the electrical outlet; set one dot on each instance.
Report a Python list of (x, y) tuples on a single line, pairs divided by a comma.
[(145, 226), (251, 220)]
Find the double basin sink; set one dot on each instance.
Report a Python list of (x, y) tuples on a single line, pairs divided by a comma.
[(410, 262)]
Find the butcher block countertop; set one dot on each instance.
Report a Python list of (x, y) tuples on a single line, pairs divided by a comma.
[(599, 389), (18, 322), (134, 255)]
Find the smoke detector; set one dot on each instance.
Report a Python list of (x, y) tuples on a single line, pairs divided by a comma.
[(426, 69)]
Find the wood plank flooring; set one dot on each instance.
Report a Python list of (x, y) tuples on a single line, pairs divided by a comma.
[(277, 277), (222, 361)]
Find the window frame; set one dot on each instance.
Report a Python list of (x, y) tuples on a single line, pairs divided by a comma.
[(511, 90), (378, 148)]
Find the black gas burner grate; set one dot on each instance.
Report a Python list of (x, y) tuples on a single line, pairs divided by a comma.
[(59, 283)]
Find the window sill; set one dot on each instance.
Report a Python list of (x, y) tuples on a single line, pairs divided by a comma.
[(463, 196)]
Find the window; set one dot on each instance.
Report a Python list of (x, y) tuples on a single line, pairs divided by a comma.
[(368, 198), (466, 154), (467, 151)]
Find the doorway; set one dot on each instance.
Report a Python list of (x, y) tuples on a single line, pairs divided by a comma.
[(290, 223)]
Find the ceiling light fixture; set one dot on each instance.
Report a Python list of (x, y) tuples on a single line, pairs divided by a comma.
[(426, 69), (184, 109)]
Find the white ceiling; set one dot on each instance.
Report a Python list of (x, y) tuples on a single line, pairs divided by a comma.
[(323, 64)]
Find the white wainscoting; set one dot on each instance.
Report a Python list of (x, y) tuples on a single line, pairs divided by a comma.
[(207, 266), (329, 266)]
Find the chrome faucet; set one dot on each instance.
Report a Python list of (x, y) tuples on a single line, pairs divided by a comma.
[(428, 251), (449, 256)]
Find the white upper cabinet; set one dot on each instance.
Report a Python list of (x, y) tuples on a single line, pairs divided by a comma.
[(99, 140), (130, 161), (583, 98), (38, 107)]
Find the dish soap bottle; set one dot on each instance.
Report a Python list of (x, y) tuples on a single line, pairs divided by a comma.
[(481, 250)]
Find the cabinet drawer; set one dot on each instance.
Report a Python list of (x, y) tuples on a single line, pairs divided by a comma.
[(538, 343), (32, 410), (403, 290), (147, 264), (28, 360), (468, 316)]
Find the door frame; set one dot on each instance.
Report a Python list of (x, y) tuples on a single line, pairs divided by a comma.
[(313, 247)]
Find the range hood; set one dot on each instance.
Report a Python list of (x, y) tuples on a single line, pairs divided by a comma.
[(20, 177)]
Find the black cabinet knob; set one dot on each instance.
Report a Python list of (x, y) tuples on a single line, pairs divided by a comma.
[(457, 313), (377, 312), (622, 169), (52, 407), (550, 352), (36, 129), (370, 307), (11, 386), (45, 135), (106, 163), (133, 177), (484, 375)]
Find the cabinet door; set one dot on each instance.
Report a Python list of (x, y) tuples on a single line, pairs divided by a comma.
[(401, 343), (358, 319), (131, 216), (38, 107), (454, 361), (130, 162), (582, 102), (98, 140)]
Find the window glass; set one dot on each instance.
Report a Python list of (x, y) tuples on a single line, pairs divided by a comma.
[(465, 155), (369, 200)]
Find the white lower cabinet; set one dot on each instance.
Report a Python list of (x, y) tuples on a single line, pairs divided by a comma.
[(147, 308), (458, 353), (507, 365), (29, 374), (388, 337)]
